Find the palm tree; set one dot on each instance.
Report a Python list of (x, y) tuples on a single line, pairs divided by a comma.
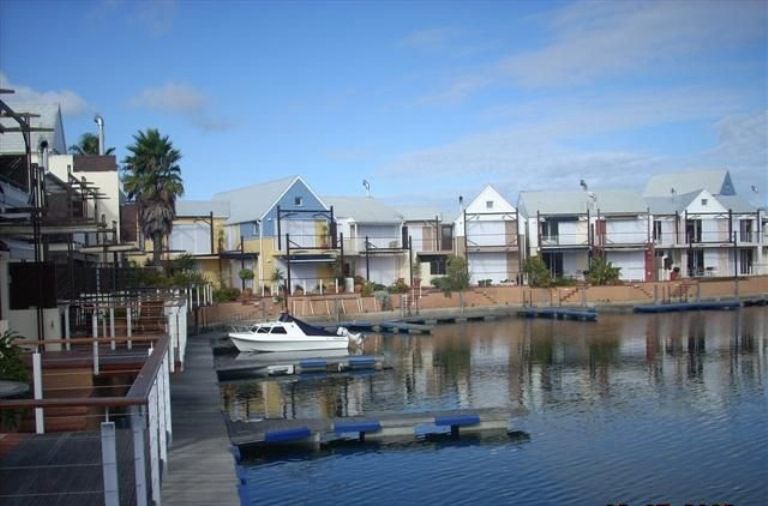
[(152, 177), (88, 145)]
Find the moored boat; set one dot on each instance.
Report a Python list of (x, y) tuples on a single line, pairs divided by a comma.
[(291, 334)]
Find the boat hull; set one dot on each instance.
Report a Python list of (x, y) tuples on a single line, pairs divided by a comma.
[(246, 341)]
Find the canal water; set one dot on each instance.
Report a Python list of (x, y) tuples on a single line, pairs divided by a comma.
[(634, 409)]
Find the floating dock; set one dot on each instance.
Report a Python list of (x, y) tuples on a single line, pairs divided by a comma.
[(411, 426), (558, 313), (280, 364), (386, 327), (688, 306)]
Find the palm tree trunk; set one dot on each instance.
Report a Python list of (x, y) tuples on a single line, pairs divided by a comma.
[(157, 248)]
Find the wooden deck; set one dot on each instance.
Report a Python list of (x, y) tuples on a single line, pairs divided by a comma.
[(201, 468), (62, 469)]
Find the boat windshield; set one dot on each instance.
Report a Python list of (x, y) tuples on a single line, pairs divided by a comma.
[(262, 330), (277, 329)]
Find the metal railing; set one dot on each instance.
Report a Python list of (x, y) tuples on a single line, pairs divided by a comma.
[(142, 415)]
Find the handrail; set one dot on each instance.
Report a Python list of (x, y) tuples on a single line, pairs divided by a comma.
[(89, 340), (137, 395)]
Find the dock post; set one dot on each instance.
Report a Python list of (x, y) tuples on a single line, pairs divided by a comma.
[(67, 333), (112, 327), (129, 345), (109, 464), (138, 422), (37, 379)]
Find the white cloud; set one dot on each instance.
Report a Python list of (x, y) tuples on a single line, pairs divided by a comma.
[(70, 102), (182, 100), (171, 97), (554, 143), (598, 40)]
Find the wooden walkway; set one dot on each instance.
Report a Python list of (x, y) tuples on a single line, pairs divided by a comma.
[(201, 468)]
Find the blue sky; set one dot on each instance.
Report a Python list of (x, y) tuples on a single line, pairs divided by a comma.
[(426, 100)]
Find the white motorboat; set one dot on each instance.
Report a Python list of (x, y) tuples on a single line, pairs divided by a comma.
[(291, 334)]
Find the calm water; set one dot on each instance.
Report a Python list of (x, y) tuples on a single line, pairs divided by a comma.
[(635, 409)]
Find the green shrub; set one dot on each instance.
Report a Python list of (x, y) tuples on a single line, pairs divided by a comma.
[(11, 363), (226, 294), (602, 272), (399, 286), (538, 273)]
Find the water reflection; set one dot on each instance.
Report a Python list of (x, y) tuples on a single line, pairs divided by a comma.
[(537, 363)]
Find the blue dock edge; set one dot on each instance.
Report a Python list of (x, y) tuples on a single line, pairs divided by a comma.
[(360, 428), (362, 362), (687, 306), (287, 435)]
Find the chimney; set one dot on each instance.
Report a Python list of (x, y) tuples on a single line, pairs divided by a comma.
[(100, 122)]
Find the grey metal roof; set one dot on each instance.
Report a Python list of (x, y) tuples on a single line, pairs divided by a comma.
[(576, 202), (50, 117), (363, 210), (220, 208), (420, 213), (736, 204), (670, 204), (716, 182), (252, 202)]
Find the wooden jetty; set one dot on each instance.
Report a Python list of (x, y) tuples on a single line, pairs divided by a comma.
[(250, 435), (280, 364), (558, 313), (688, 306)]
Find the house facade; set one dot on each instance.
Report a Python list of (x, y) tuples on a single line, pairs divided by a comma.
[(488, 234), (375, 244), (559, 229), (431, 239), (281, 231), (702, 227)]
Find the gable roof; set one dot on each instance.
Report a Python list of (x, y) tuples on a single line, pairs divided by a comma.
[(219, 208), (670, 204), (50, 117), (420, 213), (477, 205), (253, 202), (363, 210), (716, 182)]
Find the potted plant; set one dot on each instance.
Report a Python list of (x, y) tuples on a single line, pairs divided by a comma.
[(245, 275)]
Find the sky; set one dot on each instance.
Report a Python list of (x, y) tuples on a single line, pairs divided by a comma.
[(425, 100)]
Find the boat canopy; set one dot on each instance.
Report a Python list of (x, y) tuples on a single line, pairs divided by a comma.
[(308, 329)]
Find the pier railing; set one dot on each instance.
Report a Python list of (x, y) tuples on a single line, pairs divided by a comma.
[(127, 436)]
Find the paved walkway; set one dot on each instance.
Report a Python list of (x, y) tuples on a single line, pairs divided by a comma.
[(201, 469)]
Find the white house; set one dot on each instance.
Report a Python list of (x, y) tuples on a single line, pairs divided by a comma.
[(488, 234), (374, 244), (431, 240)]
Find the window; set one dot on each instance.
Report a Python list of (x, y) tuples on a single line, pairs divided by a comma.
[(745, 230), (278, 330), (657, 231), (437, 266), (693, 230), (298, 201), (489, 204), (704, 202)]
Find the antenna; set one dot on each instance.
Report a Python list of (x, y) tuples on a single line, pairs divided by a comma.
[(583, 185), (367, 187)]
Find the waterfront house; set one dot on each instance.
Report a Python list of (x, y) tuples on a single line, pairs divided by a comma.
[(47, 222), (375, 246), (281, 231), (558, 226), (702, 227), (199, 231), (489, 236), (431, 241)]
